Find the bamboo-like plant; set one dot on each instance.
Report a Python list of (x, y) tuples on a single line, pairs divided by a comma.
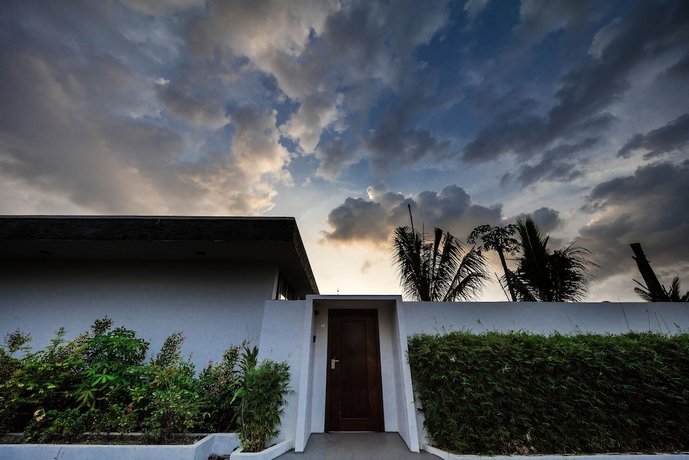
[(261, 394)]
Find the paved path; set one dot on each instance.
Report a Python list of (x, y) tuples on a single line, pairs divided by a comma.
[(355, 446)]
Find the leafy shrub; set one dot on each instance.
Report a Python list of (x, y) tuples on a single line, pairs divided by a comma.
[(111, 358), (99, 382), (261, 393), (40, 380), (217, 385), (167, 393), (520, 393)]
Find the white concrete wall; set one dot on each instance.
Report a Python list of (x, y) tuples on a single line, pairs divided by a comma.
[(546, 318), (218, 444), (541, 318), (215, 305), (282, 333)]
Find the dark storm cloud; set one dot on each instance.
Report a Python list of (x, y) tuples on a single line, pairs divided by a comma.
[(373, 220), (672, 137), (358, 219), (331, 58), (649, 207), (334, 155), (396, 143), (547, 219), (680, 70), (192, 108), (559, 163), (538, 18), (63, 105), (587, 91)]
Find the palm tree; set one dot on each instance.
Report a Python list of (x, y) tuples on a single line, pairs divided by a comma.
[(498, 239), (550, 276), (672, 295), (438, 270)]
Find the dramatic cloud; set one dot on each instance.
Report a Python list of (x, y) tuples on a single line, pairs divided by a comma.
[(316, 49), (541, 17), (221, 107), (372, 220), (395, 144), (556, 164), (587, 91), (474, 7), (672, 137), (90, 129), (335, 155), (547, 219), (650, 208)]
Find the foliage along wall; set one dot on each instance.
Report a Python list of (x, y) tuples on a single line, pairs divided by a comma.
[(519, 393)]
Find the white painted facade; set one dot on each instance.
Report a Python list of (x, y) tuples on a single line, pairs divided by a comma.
[(214, 304)]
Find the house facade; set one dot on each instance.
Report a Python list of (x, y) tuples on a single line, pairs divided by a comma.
[(208, 277), (224, 280)]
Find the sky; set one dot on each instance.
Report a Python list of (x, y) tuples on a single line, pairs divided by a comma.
[(342, 112)]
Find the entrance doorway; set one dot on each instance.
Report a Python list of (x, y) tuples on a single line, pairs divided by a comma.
[(354, 397)]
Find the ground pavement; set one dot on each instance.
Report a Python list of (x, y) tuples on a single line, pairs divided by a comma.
[(356, 446)]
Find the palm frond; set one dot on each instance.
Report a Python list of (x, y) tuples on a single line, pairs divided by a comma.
[(563, 275), (469, 277), (434, 271)]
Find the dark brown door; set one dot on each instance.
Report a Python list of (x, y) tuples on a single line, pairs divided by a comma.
[(354, 399)]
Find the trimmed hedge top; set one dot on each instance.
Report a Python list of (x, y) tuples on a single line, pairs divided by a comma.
[(521, 393)]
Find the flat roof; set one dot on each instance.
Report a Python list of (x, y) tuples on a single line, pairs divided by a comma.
[(244, 239)]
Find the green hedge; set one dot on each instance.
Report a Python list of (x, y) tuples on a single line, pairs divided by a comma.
[(520, 393)]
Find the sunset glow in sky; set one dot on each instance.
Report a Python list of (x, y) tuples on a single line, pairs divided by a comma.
[(340, 113)]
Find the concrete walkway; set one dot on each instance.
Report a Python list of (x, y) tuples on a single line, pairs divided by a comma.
[(355, 446)]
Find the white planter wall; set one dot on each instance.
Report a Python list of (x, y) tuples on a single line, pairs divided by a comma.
[(219, 444)]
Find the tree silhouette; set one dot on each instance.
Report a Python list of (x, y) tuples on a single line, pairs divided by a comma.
[(439, 270), (498, 239), (671, 295), (550, 276)]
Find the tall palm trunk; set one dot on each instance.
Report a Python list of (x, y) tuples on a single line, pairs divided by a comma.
[(508, 274)]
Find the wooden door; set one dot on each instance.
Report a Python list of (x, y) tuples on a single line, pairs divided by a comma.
[(354, 397)]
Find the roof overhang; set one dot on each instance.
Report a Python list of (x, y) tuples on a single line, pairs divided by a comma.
[(239, 239)]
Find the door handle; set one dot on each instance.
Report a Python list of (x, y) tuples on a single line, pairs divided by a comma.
[(333, 362)]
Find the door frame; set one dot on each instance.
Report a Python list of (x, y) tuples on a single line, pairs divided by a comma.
[(376, 379)]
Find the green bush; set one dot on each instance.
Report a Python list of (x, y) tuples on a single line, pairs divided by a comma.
[(41, 380), (100, 382), (261, 393), (520, 393), (217, 385), (166, 395), (112, 358)]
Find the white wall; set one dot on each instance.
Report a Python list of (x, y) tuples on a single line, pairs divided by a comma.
[(282, 333), (541, 318), (215, 305), (546, 318)]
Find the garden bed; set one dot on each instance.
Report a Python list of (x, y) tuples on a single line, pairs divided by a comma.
[(98, 396), (113, 439)]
